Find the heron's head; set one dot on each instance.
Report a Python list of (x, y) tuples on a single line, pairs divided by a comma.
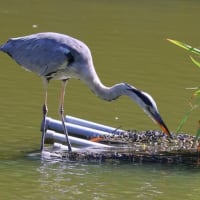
[(147, 103)]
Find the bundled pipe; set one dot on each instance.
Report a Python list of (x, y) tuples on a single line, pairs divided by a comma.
[(75, 130), (166, 151), (58, 146), (92, 125), (96, 149), (60, 138)]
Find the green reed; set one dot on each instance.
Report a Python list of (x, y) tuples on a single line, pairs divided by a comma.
[(196, 94)]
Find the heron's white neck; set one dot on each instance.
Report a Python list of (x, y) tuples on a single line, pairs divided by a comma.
[(107, 93)]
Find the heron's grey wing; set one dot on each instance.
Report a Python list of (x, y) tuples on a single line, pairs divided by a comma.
[(41, 56)]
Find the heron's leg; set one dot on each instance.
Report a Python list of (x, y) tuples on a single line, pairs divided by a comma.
[(45, 110), (61, 111)]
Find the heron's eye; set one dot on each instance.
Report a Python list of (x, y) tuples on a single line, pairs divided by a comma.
[(149, 109)]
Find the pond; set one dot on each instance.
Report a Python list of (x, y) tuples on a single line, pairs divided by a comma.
[(128, 44)]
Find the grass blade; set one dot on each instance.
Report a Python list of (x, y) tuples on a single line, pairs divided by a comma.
[(184, 119), (196, 93), (185, 46), (195, 62), (198, 132)]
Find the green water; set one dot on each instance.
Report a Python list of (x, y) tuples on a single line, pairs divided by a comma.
[(128, 43)]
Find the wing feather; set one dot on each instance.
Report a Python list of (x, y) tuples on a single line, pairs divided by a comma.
[(41, 55)]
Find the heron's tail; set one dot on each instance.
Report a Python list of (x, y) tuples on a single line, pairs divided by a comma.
[(1, 47)]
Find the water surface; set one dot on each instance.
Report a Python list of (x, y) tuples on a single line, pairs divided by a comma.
[(128, 42)]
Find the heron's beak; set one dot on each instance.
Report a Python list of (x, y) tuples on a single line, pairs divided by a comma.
[(157, 118)]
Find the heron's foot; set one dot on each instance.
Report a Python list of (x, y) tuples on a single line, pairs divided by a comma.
[(43, 129), (43, 126), (43, 135)]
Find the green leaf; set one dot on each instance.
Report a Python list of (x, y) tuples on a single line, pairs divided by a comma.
[(195, 62), (192, 88), (184, 119), (196, 93), (198, 132), (185, 46)]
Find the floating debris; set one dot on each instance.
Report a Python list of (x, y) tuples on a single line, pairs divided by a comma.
[(154, 138), (34, 26), (108, 144)]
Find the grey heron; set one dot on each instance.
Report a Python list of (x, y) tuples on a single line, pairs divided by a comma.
[(58, 56)]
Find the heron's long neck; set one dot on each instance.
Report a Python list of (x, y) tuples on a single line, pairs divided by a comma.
[(107, 93)]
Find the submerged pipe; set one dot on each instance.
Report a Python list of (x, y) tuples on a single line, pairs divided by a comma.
[(75, 130), (58, 146), (92, 125), (73, 140)]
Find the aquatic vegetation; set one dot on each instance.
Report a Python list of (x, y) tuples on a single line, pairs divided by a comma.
[(196, 94)]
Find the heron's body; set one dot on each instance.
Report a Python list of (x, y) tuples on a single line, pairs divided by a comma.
[(50, 54), (57, 56), (61, 57)]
